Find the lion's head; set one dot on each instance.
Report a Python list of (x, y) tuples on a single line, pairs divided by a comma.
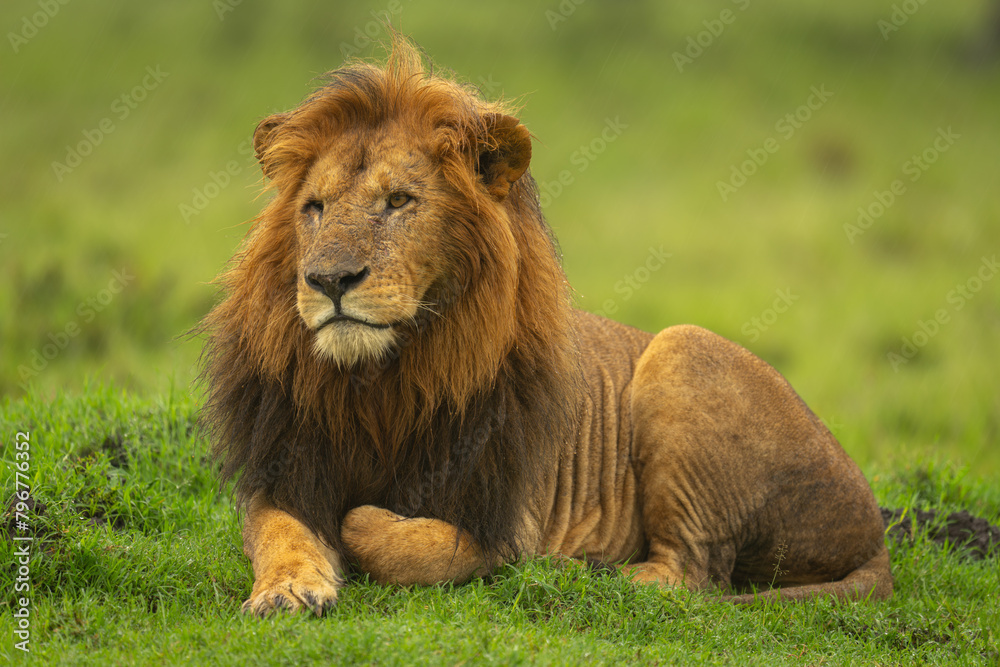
[(396, 328), (387, 223), (371, 241)]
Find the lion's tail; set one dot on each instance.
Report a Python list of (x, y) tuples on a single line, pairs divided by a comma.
[(871, 581)]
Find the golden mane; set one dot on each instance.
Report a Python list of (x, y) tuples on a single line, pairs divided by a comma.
[(482, 387)]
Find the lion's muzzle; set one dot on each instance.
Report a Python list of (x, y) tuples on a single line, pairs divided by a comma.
[(335, 285)]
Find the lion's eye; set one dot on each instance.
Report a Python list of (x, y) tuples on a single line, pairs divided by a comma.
[(313, 207), (397, 199)]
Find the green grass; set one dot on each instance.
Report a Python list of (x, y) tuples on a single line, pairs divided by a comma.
[(654, 186), (136, 560)]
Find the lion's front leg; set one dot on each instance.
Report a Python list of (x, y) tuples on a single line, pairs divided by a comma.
[(394, 549), (292, 567)]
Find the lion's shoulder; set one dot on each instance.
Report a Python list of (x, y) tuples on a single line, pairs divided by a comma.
[(607, 342)]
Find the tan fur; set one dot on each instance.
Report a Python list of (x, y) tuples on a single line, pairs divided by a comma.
[(456, 412), (291, 566)]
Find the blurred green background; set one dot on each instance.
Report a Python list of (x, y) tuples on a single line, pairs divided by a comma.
[(127, 181)]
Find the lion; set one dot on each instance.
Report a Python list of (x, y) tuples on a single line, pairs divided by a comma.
[(400, 385)]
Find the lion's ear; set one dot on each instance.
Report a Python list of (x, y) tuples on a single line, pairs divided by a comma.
[(504, 154), (263, 136)]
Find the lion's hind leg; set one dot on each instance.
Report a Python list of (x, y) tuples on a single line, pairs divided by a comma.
[(741, 483), (871, 581), (681, 552), (667, 571), (394, 549)]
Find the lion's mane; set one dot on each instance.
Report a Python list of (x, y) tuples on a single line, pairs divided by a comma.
[(456, 423)]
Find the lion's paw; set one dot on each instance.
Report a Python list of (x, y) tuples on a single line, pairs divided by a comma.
[(408, 551), (317, 593), (387, 546), (365, 524)]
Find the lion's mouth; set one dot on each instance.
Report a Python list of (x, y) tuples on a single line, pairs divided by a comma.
[(340, 317)]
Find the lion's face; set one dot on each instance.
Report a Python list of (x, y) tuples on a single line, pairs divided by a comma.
[(371, 237)]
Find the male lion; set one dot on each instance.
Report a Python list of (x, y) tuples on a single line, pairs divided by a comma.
[(398, 379)]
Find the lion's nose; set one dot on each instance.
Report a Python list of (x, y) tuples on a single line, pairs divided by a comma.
[(335, 285)]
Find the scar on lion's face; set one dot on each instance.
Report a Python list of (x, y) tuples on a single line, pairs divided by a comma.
[(369, 241)]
